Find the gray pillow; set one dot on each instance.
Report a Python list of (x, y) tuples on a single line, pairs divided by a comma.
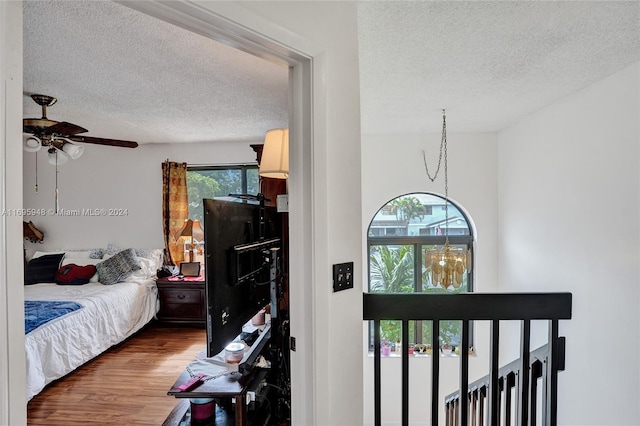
[(116, 269)]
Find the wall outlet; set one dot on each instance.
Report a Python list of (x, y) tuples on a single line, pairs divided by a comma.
[(342, 276)]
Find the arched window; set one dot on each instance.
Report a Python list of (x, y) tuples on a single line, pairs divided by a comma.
[(405, 245)]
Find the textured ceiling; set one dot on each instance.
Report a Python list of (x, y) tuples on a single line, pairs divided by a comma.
[(489, 63), (122, 74)]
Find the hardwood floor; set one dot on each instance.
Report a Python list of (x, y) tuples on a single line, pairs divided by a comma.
[(127, 385)]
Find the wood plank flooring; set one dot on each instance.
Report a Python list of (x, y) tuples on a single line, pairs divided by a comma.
[(127, 385)]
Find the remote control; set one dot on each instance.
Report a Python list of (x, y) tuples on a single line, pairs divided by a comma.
[(192, 382)]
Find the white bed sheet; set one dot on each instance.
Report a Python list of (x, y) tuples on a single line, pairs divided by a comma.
[(109, 314)]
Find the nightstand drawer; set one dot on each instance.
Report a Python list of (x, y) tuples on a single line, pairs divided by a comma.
[(179, 296), (181, 311)]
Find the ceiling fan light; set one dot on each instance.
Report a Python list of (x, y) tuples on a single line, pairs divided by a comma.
[(32, 144), (61, 158), (73, 151)]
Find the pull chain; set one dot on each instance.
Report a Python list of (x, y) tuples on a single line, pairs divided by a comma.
[(443, 144), (36, 173), (443, 151), (57, 202)]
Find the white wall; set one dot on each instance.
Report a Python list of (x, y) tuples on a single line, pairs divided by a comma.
[(392, 165), (569, 221), (327, 382), (113, 178), (12, 361), (330, 28)]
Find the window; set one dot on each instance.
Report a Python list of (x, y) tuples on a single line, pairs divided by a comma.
[(401, 234), (219, 181)]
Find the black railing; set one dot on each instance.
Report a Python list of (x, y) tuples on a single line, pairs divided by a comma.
[(494, 307), (508, 379)]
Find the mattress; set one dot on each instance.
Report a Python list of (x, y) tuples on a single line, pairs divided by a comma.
[(109, 314)]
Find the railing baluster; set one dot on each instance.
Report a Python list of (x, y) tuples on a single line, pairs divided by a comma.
[(524, 376), (435, 375), (509, 382), (474, 407), (494, 367), (483, 397), (551, 388), (405, 374), (464, 374), (377, 384), (446, 414), (536, 373)]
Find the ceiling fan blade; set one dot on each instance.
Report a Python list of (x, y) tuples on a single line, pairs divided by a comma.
[(65, 129), (102, 141)]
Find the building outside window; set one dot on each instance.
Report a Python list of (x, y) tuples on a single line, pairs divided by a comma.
[(400, 236)]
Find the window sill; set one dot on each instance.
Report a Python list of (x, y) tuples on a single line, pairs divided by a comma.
[(420, 355)]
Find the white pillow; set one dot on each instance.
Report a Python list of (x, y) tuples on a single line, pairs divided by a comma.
[(83, 262)]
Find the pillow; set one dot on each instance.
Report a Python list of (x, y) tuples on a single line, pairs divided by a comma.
[(44, 253), (83, 262), (74, 274), (155, 255), (42, 269), (96, 253), (76, 254), (112, 249), (118, 267)]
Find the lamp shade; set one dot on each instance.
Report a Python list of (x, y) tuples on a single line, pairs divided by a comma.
[(32, 144), (73, 151), (187, 229), (197, 232), (275, 154), (61, 158)]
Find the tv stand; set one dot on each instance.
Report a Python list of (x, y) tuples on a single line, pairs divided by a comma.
[(234, 393)]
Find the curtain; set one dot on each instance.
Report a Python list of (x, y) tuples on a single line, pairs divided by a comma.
[(175, 209)]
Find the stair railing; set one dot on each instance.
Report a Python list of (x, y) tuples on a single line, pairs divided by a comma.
[(466, 307)]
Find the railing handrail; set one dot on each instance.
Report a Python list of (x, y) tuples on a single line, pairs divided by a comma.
[(467, 306), (539, 354)]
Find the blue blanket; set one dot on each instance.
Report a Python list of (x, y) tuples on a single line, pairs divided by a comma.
[(41, 312)]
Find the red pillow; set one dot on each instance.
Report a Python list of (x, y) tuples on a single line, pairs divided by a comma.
[(74, 274)]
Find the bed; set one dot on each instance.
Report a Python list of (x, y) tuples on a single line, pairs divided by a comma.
[(92, 318)]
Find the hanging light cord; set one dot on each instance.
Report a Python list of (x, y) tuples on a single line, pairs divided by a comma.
[(443, 144), (56, 182), (443, 151), (36, 172)]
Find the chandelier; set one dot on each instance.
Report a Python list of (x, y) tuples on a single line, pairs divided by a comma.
[(446, 264)]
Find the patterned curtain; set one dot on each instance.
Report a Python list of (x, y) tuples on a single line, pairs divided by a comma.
[(175, 208)]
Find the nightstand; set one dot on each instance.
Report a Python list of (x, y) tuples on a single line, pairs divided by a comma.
[(182, 301)]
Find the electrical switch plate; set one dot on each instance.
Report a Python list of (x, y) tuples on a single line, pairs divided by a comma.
[(342, 276)]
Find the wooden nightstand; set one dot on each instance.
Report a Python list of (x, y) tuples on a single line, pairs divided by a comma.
[(182, 301)]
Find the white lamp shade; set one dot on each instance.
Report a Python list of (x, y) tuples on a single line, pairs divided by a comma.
[(61, 157), (32, 144), (275, 154), (73, 151)]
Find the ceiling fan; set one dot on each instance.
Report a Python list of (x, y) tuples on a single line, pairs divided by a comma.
[(59, 135)]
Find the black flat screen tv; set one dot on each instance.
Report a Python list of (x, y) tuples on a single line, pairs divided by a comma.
[(238, 236)]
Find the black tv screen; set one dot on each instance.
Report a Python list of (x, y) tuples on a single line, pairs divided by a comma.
[(238, 234)]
